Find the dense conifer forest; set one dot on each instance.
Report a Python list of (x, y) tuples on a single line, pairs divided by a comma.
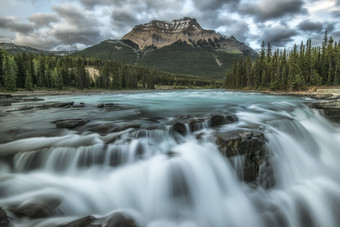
[(30, 71), (294, 70)]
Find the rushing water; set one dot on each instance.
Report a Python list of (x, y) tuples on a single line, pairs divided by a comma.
[(161, 178)]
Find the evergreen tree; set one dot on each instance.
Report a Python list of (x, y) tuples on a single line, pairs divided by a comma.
[(11, 70), (28, 81)]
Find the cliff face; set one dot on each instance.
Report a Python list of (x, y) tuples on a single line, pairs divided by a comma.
[(162, 33)]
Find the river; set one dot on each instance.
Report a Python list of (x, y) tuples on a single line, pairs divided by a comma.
[(126, 159)]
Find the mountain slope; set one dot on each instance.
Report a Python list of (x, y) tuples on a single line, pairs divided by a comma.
[(118, 50), (12, 48), (180, 46)]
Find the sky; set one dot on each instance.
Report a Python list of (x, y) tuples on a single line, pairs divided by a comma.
[(77, 24)]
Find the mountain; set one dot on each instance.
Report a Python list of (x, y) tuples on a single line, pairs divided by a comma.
[(162, 33), (18, 49), (181, 46)]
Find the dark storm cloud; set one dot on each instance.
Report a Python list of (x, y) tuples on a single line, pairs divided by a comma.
[(93, 3), (268, 9), (329, 27), (11, 24), (79, 27), (83, 36), (76, 16), (121, 18), (278, 36), (43, 19), (215, 4), (310, 26)]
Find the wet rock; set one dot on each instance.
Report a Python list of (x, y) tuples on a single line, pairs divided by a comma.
[(36, 210), (26, 108), (200, 136), (244, 142), (125, 127), (4, 220), (102, 129), (63, 104), (120, 220), (82, 222), (57, 105), (70, 123), (5, 96), (217, 120), (330, 109), (179, 127), (5, 103), (109, 105), (35, 99), (22, 133), (106, 105), (330, 104), (79, 106), (171, 154)]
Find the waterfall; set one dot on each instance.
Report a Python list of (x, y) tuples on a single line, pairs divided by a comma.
[(162, 178)]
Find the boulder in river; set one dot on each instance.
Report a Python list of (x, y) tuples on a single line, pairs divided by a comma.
[(248, 143), (70, 123), (330, 108), (82, 222), (217, 120), (179, 127), (109, 105), (57, 105), (36, 210), (4, 220), (120, 220)]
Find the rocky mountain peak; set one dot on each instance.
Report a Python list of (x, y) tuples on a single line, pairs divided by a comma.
[(158, 34), (162, 33)]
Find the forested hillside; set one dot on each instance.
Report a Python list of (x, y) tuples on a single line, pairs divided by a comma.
[(31, 71), (294, 70)]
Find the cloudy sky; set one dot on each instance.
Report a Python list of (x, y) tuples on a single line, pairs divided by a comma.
[(76, 24)]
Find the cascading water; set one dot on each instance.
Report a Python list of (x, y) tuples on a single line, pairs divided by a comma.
[(160, 177)]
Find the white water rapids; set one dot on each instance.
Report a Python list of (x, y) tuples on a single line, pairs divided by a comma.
[(161, 178)]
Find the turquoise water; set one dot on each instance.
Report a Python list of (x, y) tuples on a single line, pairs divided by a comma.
[(162, 178)]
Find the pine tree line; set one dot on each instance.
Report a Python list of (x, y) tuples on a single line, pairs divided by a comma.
[(302, 66), (30, 71)]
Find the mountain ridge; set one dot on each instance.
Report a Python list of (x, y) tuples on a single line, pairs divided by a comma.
[(163, 33), (15, 48)]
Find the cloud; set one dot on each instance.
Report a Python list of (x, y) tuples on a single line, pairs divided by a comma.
[(43, 19), (76, 16), (230, 26), (310, 26), (330, 27), (93, 3), (215, 4), (68, 34), (336, 35), (37, 40), (68, 26), (11, 24), (265, 10), (278, 36), (122, 18)]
